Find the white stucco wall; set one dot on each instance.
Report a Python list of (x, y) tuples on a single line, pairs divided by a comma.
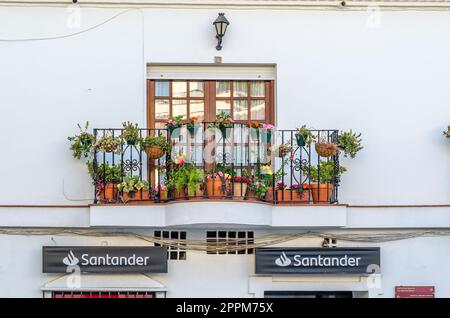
[(417, 261), (333, 71)]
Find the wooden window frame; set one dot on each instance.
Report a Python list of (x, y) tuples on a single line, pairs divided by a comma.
[(210, 99)]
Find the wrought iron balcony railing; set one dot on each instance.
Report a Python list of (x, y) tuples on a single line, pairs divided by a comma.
[(237, 163)]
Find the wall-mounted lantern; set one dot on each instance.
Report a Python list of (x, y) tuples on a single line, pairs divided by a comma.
[(221, 24)]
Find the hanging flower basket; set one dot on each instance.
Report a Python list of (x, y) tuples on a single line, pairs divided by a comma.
[(192, 130), (254, 133), (326, 149), (226, 131), (174, 131), (154, 152), (301, 139)]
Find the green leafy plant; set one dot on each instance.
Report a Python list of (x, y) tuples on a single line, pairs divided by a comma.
[(281, 150), (260, 187), (195, 176), (108, 143), (350, 143), (132, 184), (130, 133), (223, 120), (185, 176), (156, 141), (82, 143), (105, 173), (324, 173), (447, 133), (174, 122), (304, 136)]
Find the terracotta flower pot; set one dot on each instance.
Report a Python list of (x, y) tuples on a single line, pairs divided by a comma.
[(302, 196), (197, 193), (214, 187), (321, 193), (163, 195), (109, 192), (239, 190), (250, 194), (269, 194), (180, 194), (135, 195), (284, 195)]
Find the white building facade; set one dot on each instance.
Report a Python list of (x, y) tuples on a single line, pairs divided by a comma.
[(379, 68)]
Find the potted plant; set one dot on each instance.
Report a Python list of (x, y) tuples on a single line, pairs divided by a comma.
[(82, 143), (281, 150), (105, 179), (322, 180), (155, 146), (267, 130), (267, 177), (178, 179), (350, 143), (240, 185), (304, 136), (261, 189), (300, 192), (131, 133), (173, 125), (161, 192), (447, 133), (108, 143), (253, 127), (223, 123), (132, 185), (326, 148), (195, 182), (217, 182), (192, 126), (283, 193)]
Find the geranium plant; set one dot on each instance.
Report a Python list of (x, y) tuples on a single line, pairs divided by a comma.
[(223, 122), (192, 125), (260, 188), (173, 124)]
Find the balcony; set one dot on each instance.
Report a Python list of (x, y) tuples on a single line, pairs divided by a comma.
[(238, 163)]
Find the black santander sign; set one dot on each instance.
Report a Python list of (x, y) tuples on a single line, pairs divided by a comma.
[(104, 259), (294, 260)]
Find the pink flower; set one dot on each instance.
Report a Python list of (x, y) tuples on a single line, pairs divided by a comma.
[(180, 160), (295, 186), (268, 126), (229, 120)]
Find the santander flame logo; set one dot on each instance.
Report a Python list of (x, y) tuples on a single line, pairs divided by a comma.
[(283, 260), (70, 259)]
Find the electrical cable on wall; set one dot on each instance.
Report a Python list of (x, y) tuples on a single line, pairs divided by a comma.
[(58, 37), (235, 244)]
